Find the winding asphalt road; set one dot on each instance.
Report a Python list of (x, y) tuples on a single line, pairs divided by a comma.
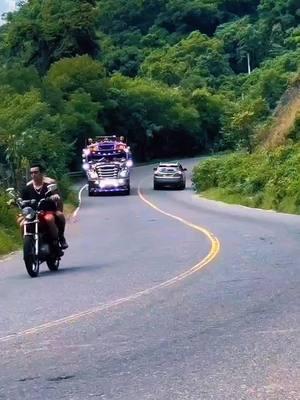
[(199, 303)]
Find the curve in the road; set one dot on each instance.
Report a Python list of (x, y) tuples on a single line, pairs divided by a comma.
[(214, 250)]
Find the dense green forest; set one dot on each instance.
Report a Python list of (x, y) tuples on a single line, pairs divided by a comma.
[(170, 75)]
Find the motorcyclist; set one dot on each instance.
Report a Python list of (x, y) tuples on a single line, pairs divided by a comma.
[(36, 189)]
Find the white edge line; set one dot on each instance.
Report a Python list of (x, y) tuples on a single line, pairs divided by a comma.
[(232, 205), (8, 257), (79, 201)]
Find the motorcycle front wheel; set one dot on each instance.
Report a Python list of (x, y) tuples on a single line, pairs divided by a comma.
[(32, 263), (53, 264)]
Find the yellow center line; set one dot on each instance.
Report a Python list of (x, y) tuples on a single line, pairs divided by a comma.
[(214, 250)]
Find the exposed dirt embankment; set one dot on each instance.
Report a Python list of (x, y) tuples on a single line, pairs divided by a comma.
[(285, 116)]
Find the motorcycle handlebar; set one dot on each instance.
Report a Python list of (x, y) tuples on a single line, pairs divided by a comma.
[(26, 203)]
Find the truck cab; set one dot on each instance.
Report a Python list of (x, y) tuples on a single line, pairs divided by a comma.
[(107, 162)]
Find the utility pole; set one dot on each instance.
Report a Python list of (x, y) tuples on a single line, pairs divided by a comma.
[(248, 63)]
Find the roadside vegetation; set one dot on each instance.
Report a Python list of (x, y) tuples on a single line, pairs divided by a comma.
[(177, 78), (266, 179), (9, 231)]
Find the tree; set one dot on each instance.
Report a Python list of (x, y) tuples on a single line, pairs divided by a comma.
[(20, 79), (77, 73), (20, 111), (211, 108), (120, 16), (241, 37), (169, 74), (240, 127), (185, 16), (197, 55), (76, 90), (157, 114), (42, 32)]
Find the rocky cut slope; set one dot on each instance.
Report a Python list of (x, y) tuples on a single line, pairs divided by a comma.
[(286, 118)]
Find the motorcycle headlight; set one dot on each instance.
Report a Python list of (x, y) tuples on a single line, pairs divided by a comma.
[(28, 213), (123, 173)]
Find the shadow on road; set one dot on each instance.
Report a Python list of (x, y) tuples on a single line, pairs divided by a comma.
[(133, 192), (166, 189), (74, 270), (44, 272)]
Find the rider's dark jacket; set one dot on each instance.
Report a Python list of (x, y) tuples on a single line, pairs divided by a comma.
[(30, 193)]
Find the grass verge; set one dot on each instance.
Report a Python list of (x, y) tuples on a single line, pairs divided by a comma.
[(265, 179), (220, 194), (9, 240), (9, 231)]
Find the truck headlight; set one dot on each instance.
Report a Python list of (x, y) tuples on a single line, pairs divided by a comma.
[(93, 175), (123, 173)]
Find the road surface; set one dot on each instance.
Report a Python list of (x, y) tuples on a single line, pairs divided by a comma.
[(162, 296)]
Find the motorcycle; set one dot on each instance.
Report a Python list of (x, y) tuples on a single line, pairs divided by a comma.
[(38, 247)]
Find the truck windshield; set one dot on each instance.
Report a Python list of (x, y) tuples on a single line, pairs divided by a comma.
[(112, 157)]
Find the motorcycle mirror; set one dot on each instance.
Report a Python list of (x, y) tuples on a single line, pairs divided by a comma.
[(52, 187), (8, 190), (11, 194)]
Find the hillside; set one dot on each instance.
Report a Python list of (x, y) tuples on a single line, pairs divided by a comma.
[(175, 77), (268, 177), (285, 119)]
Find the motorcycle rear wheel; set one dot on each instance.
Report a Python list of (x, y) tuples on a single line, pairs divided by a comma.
[(32, 263)]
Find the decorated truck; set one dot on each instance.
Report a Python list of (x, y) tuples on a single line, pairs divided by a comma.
[(107, 161)]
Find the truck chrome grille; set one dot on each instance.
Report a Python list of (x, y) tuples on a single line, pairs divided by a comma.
[(107, 171)]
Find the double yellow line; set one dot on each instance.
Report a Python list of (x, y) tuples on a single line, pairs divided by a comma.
[(215, 244), (214, 250)]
